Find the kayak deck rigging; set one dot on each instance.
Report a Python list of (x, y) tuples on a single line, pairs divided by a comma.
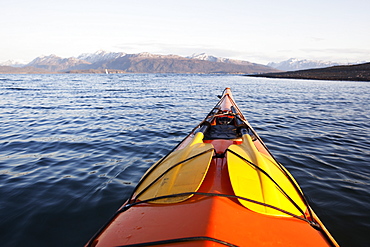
[(220, 185)]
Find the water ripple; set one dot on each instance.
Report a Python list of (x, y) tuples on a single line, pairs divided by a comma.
[(72, 147)]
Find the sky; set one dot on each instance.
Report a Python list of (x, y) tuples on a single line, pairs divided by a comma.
[(257, 31)]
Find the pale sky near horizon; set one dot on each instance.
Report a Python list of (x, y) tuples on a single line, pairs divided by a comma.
[(257, 31)]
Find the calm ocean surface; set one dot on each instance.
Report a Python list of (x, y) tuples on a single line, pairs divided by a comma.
[(72, 147)]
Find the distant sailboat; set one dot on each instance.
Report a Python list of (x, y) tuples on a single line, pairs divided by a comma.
[(106, 71)]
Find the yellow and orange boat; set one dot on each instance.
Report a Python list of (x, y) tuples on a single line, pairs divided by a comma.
[(219, 187)]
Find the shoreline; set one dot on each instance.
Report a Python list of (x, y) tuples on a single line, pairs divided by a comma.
[(358, 72)]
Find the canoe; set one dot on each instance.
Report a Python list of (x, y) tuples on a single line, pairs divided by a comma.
[(220, 186)]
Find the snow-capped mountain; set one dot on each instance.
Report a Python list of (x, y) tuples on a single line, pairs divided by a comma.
[(150, 55), (206, 57), (55, 63), (14, 63), (296, 64), (100, 56)]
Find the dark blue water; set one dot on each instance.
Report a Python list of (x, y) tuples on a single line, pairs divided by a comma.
[(72, 147)]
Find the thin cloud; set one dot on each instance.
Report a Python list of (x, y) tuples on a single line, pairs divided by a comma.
[(338, 54), (339, 50), (316, 39)]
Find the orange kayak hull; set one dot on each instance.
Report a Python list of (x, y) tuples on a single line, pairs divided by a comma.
[(208, 216), (214, 214)]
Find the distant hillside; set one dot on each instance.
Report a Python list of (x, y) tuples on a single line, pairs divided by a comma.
[(149, 63), (54, 63), (23, 70), (145, 63), (358, 72)]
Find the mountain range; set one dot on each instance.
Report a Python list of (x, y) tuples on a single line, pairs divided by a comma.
[(119, 62), (293, 64)]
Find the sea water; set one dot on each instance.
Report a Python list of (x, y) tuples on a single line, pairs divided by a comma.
[(73, 146)]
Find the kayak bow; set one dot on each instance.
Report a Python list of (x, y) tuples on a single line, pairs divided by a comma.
[(220, 186)]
